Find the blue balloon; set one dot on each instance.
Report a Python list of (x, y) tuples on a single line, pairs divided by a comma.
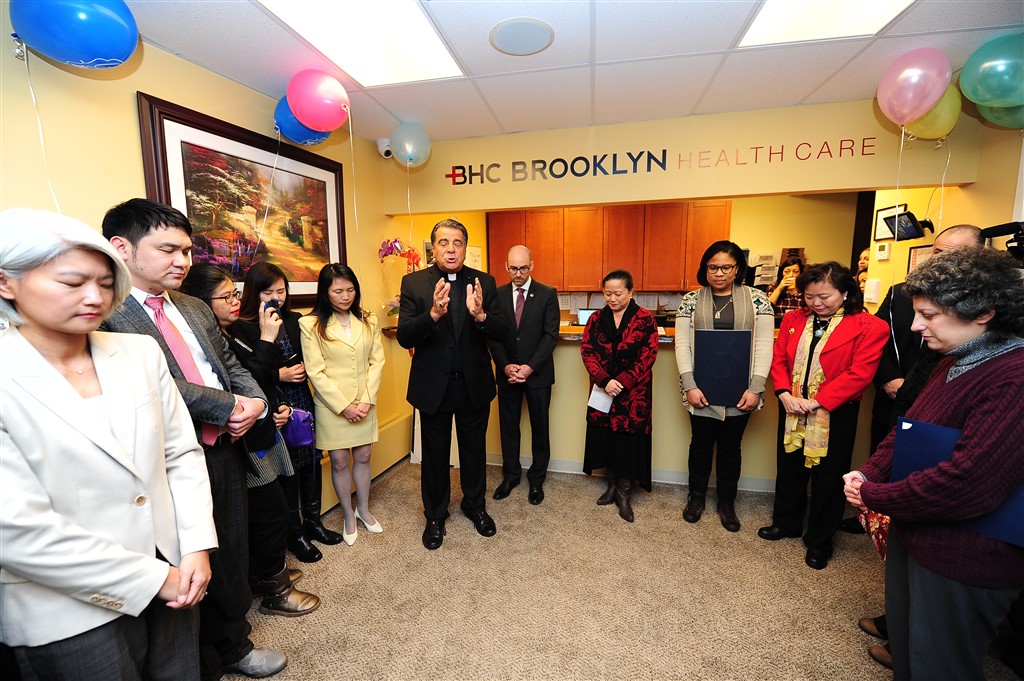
[(994, 75), (410, 145), (89, 35), (288, 125)]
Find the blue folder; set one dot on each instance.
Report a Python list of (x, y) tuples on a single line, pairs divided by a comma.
[(721, 365), (920, 445)]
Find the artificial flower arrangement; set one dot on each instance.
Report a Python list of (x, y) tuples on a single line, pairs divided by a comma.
[(389, 253)]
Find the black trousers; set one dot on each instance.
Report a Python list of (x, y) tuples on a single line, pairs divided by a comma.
[(223, 629), (827, 502), (510, 412), (160, 644), (727, 434), (436, 438), (268, 530)]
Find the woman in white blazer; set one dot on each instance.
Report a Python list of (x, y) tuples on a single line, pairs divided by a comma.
[(105, 519), (344, 361)]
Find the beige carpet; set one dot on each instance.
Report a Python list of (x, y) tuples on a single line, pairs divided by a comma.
[(567, 590)]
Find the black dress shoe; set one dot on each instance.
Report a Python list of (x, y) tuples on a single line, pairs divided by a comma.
[(433, 534), (303, 550), (775, 533), (817, 558), (483, 522), (317, 532), (505, 488), (536, 494)]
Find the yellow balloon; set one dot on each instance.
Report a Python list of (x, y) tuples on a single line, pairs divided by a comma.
[(942, 118)]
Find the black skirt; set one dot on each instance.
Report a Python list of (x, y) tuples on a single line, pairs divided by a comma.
[(625, 455)]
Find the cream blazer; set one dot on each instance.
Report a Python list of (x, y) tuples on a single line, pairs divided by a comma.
[(86, 505), (343, 370)]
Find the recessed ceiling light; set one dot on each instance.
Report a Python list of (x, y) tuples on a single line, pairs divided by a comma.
[(522, 36), (789, 21), (374, 42)]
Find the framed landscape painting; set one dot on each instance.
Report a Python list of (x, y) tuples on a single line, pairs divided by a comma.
[(250, 198)]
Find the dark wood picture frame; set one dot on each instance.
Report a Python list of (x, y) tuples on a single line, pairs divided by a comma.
[(154, 116), (917, 255)]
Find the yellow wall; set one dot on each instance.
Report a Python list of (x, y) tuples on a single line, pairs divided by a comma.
[(820, 223)]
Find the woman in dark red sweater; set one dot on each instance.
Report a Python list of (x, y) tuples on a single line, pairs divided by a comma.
[(947, 585)]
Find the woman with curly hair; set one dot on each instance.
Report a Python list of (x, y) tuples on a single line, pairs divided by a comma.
[(947, 585)]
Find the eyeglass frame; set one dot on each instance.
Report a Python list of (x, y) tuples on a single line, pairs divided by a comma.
[(228, 296), (724, 269), (524, 269)]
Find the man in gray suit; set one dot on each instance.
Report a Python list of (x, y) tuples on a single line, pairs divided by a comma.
[(223, 400)]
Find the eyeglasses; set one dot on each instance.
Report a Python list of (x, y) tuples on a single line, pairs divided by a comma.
[(227, 298), (724, 269), (518, 270)]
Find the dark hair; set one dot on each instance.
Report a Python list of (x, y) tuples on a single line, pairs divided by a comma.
[(622, 275), (833, 273), (322, 308), (135, 218), (789, 262), (449, 223), (969, 282), (731, 250), (259, 278), (202, 280)]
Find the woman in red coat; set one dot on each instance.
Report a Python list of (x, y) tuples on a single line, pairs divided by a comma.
[(825, 356), (620, 344)]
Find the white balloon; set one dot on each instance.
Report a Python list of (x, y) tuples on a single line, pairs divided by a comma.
[(410, 145)]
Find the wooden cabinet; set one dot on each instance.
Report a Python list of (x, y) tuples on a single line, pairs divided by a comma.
[(573, 247), (583, 249), (505, 229), (544, 239), (707, 222), (664, 246), (624, 241)]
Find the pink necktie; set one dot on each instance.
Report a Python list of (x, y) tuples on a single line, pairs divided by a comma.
[(182, 355), (520, 301)]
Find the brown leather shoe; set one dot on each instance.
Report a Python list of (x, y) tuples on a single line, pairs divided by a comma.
[(623, 488), (609, 494), (869, 625), (286, 600), (881, 655)]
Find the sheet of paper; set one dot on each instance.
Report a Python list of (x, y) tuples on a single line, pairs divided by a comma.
[(576, 301), (669, 301), (600, 400), (563, 301), (596, 301), (648, 301)]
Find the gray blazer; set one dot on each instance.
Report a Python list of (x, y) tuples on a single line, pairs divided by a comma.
[(206, 405)]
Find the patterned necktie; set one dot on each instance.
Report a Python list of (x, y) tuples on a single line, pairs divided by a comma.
[(183, 356), (520, 302)]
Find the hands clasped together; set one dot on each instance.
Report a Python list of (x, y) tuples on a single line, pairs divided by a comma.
[(748, 401), (798, 405)]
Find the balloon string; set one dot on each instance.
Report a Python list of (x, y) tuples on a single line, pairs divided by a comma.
[(352, 149), (942, 185), (408, 197), (899, 172), (42, 138), (266, 202)]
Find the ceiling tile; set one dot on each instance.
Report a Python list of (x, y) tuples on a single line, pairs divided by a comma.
[(543, 100), (446, 109), (945, 15), (650, 90)]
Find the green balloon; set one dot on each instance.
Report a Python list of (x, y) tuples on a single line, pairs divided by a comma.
[(994, 74), (1006, 116)]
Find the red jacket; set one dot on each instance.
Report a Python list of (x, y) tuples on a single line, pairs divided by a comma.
[(848, 360)]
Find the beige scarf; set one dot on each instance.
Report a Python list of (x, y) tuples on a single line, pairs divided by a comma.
[(809, 431)]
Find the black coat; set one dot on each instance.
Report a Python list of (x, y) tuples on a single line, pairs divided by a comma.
[(532, 342)]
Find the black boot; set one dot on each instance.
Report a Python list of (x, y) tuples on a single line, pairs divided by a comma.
[(623, 488), (263, 587), (727, 514), (609, 494), (694, 507), (310, 489), (298, 543), (284, 599)]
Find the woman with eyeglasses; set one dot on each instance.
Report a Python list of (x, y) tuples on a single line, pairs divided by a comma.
[(824, 358), (345, 355), (721, 305), (785, 296), (269, 575), (266, 284)]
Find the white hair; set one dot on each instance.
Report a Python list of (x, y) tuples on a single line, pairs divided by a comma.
[(32, 238)]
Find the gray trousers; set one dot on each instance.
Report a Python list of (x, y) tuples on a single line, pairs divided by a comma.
[(939, 628)]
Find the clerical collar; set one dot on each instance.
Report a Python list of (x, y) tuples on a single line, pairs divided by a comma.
[(452, 276)]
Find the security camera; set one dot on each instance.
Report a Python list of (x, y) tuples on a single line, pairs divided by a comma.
[(384, 147)]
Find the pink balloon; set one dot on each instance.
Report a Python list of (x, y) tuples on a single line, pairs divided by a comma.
[(913, 84), (318, 100)]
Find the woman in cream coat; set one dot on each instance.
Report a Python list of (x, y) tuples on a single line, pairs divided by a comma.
[(106, 518), (344, 361)]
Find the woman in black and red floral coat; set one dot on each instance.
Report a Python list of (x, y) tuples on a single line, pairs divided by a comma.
[(619, 347)]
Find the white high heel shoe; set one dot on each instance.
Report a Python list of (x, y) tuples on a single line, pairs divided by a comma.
[(350, 539), (374, 528)]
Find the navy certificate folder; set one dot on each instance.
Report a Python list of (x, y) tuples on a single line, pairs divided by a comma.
[(721, 365), (920, 445)]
